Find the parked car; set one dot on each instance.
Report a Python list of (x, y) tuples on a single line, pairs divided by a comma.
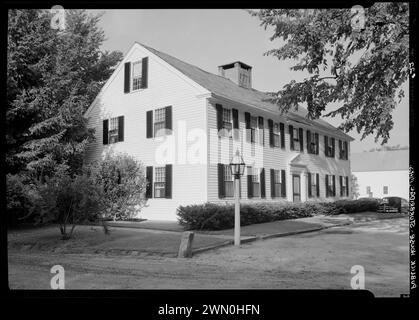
[(393, 204)]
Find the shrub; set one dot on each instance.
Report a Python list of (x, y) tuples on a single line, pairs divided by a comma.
[(19, 200), (122, 179), (68, 201), (212, 216)]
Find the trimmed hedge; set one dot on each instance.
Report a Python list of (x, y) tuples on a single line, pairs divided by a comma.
[(212, 216)]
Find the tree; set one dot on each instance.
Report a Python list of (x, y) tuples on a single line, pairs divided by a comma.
[(361, 69), (354, 187), (52, 78)]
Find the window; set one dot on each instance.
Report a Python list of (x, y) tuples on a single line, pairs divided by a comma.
[(312, 147), (136, 75), (253, 128), (160, 182), (330, 189), (313, 184), (253, 174), (113, 130), (277, 183), (344, 188), (227, 121), (369, 191), (159, 122), (329, 147), (276, 130), (385, 190), (296, 138), (343, 150), (228, 182)]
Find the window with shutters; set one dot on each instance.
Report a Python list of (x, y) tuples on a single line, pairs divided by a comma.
[(343, 150), (330, 185), (277, 135), (228, 182), (160, 122), (255, 182), (137, 68), (385, 190), (253, 129), (277, 183), (313, 145), (227, 122), (160, 182), (313, 184), (329, 147), (344, 186), (113, 130)]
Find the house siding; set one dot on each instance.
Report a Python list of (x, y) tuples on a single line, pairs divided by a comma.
[(271, 158), (165, 88)]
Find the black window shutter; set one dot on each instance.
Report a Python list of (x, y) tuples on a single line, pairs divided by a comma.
[(169, 183), (272, 183), (236, 124), (318, 184), (291, 130), (282, 132), (327, 185), (262, 183), (345, 144), (334, 185), (340, 149), (347, 186), (219, 108), (169, 120), (149, 116), (333, 147), (261, 131), (149, 177), (249, 186), (144, 73), (316, 136), (300, 132), (271, 132), (326, 152), (127, 77), (308, 141), (309, 184), (341, 185), (105, 131), (247, 121), (221, 191), (121, 128), (283, 184)]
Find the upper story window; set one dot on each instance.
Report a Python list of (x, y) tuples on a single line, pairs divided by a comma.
[(113, 130), (227, 122), (276, 132), (329, 146), (296, 138), (312, 142), (253, 128), (161, 124), (136, 75), (343, 150)]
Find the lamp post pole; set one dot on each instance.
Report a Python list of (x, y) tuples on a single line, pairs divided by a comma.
[(237, 211)]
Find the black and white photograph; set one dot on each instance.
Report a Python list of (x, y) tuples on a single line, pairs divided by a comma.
[(210, 149)]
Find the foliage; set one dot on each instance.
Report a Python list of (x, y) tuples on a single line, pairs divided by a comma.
[(362, 69), (354, 187), (122, 179), (68, 200), (52, 78), (212, 216)]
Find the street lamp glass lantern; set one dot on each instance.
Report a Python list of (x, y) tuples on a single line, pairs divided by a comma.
[(237, 165)]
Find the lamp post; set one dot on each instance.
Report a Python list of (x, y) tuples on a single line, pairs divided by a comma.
[(237, 169)]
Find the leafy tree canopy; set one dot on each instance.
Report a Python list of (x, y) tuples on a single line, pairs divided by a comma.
[(362, 70), (52, 77)]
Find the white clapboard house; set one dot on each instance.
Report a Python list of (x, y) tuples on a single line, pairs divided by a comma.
[(185, 124)]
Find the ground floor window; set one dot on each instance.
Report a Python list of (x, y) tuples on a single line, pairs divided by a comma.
[(160, 182), (385, 190), (228, 182), (312, 184)]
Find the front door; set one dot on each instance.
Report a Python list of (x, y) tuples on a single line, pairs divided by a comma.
[(296, 194)]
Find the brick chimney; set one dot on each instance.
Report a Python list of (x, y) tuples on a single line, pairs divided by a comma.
[(238, 72)]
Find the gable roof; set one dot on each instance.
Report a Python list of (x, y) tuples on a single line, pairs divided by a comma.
[(380, 161), (225, 88)]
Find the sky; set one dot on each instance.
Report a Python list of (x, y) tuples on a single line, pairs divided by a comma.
[(208, 38)]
